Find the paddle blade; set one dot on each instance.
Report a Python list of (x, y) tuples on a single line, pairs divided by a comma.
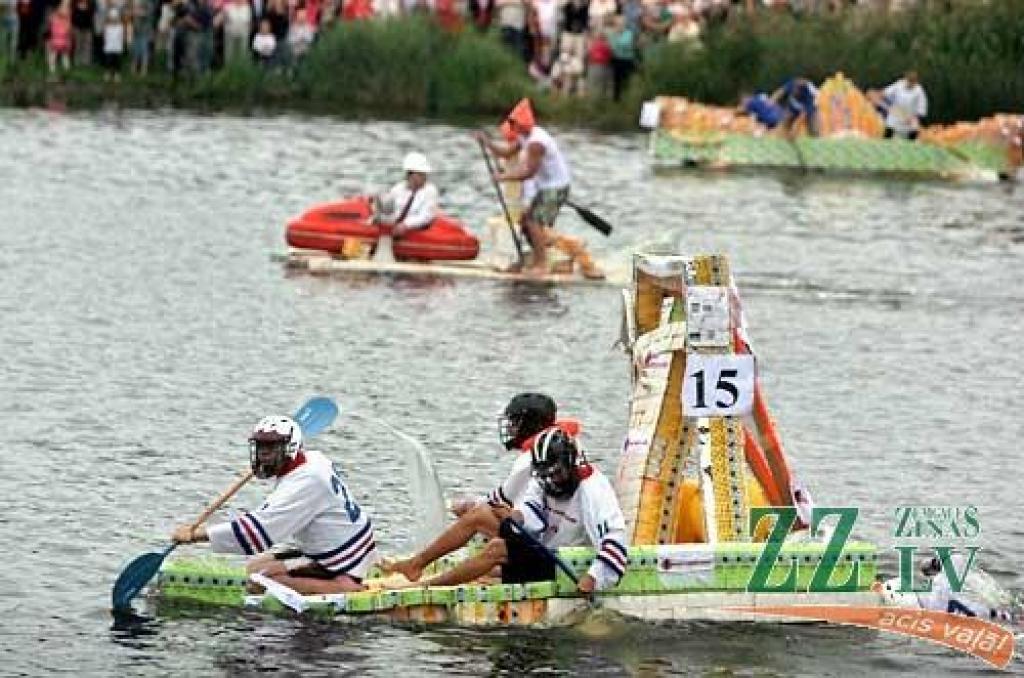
[(592, 219), (316, 415), (135, 577), (425, 488)]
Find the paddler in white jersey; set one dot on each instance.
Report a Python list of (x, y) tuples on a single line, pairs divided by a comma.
[(567, 502), (525, 416), (546, 167), (310, 508)]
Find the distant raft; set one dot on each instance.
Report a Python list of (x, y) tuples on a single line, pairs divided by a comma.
[(691, 134)]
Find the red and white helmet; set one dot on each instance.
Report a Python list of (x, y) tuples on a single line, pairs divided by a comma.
[(273, 442)]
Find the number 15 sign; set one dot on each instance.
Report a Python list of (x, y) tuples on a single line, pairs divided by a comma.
[(718, 385)]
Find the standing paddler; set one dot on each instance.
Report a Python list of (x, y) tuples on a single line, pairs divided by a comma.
[(546, 166)]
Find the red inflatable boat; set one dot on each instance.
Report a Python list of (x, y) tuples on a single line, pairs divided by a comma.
[(342, 226)]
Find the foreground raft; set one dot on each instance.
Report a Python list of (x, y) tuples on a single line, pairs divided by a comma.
[(693, 135), (685, 483)]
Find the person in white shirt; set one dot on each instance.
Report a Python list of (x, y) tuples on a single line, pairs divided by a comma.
[(300, 35), (113, 43), (412, 204), (567, 502), (310, 508), (545, 164), (237, 18), (264, 44), (905, 103), (525, 416)]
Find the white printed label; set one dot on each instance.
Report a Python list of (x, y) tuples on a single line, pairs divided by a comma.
[(649, 114), (707, 316), (718, 385)]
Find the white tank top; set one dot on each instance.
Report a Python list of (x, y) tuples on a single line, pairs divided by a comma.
[(554, 170)]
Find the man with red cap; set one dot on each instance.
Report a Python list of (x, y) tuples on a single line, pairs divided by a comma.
[(544, 166)]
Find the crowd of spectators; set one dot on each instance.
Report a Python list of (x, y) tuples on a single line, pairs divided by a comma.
[(573, 47), (192, 35)]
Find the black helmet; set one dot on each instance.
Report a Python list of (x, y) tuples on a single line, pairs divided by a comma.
[(526, 415), (554, 459)]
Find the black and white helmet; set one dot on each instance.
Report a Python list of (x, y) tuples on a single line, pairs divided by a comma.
[(526, 415), (554, 458), (274, 441)]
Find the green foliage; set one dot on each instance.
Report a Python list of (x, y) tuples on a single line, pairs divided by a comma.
[(409, 67), (379, 66), (476, 75), (970, 59)]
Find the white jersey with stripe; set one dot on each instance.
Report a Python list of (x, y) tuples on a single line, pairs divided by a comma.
[(553, 172), (514, 486), (590, 517), (310, 507)]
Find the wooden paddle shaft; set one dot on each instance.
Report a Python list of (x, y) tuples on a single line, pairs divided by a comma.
[(219, 501), (501, 199)]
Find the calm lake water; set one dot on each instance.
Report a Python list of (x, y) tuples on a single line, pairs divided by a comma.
[(146, 326)]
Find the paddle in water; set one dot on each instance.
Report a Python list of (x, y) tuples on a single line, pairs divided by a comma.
[(591, 218), (313, 418)]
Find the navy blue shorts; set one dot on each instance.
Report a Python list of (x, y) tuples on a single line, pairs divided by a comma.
[(525, 562)]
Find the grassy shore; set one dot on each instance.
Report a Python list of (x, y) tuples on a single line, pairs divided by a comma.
[(971, 61)]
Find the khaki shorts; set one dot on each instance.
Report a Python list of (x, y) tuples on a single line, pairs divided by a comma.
[(545, 206)]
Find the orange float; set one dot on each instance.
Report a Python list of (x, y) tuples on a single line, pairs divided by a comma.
[(345, 228)]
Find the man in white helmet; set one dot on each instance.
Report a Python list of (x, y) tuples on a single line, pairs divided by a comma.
[(411, 204), (310, 507)]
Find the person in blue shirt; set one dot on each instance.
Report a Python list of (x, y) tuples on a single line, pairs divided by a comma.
[(798, 96), (762, 108)]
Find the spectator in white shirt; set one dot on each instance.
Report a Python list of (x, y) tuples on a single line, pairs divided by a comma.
[(300, 35), (264, 44), (237, 28)]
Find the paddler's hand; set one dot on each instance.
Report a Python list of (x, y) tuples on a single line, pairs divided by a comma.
[(587, 584), (462, 506), (183, 534), (503, 511)]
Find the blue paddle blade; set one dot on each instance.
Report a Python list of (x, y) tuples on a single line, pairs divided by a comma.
[(136, 576), (316, 415)]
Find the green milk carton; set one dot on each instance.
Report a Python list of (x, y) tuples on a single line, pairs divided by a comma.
[(413, 597), (360, 602), (541, 589)]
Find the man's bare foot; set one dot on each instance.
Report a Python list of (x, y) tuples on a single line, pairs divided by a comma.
[(408, 568), (593, 274)]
